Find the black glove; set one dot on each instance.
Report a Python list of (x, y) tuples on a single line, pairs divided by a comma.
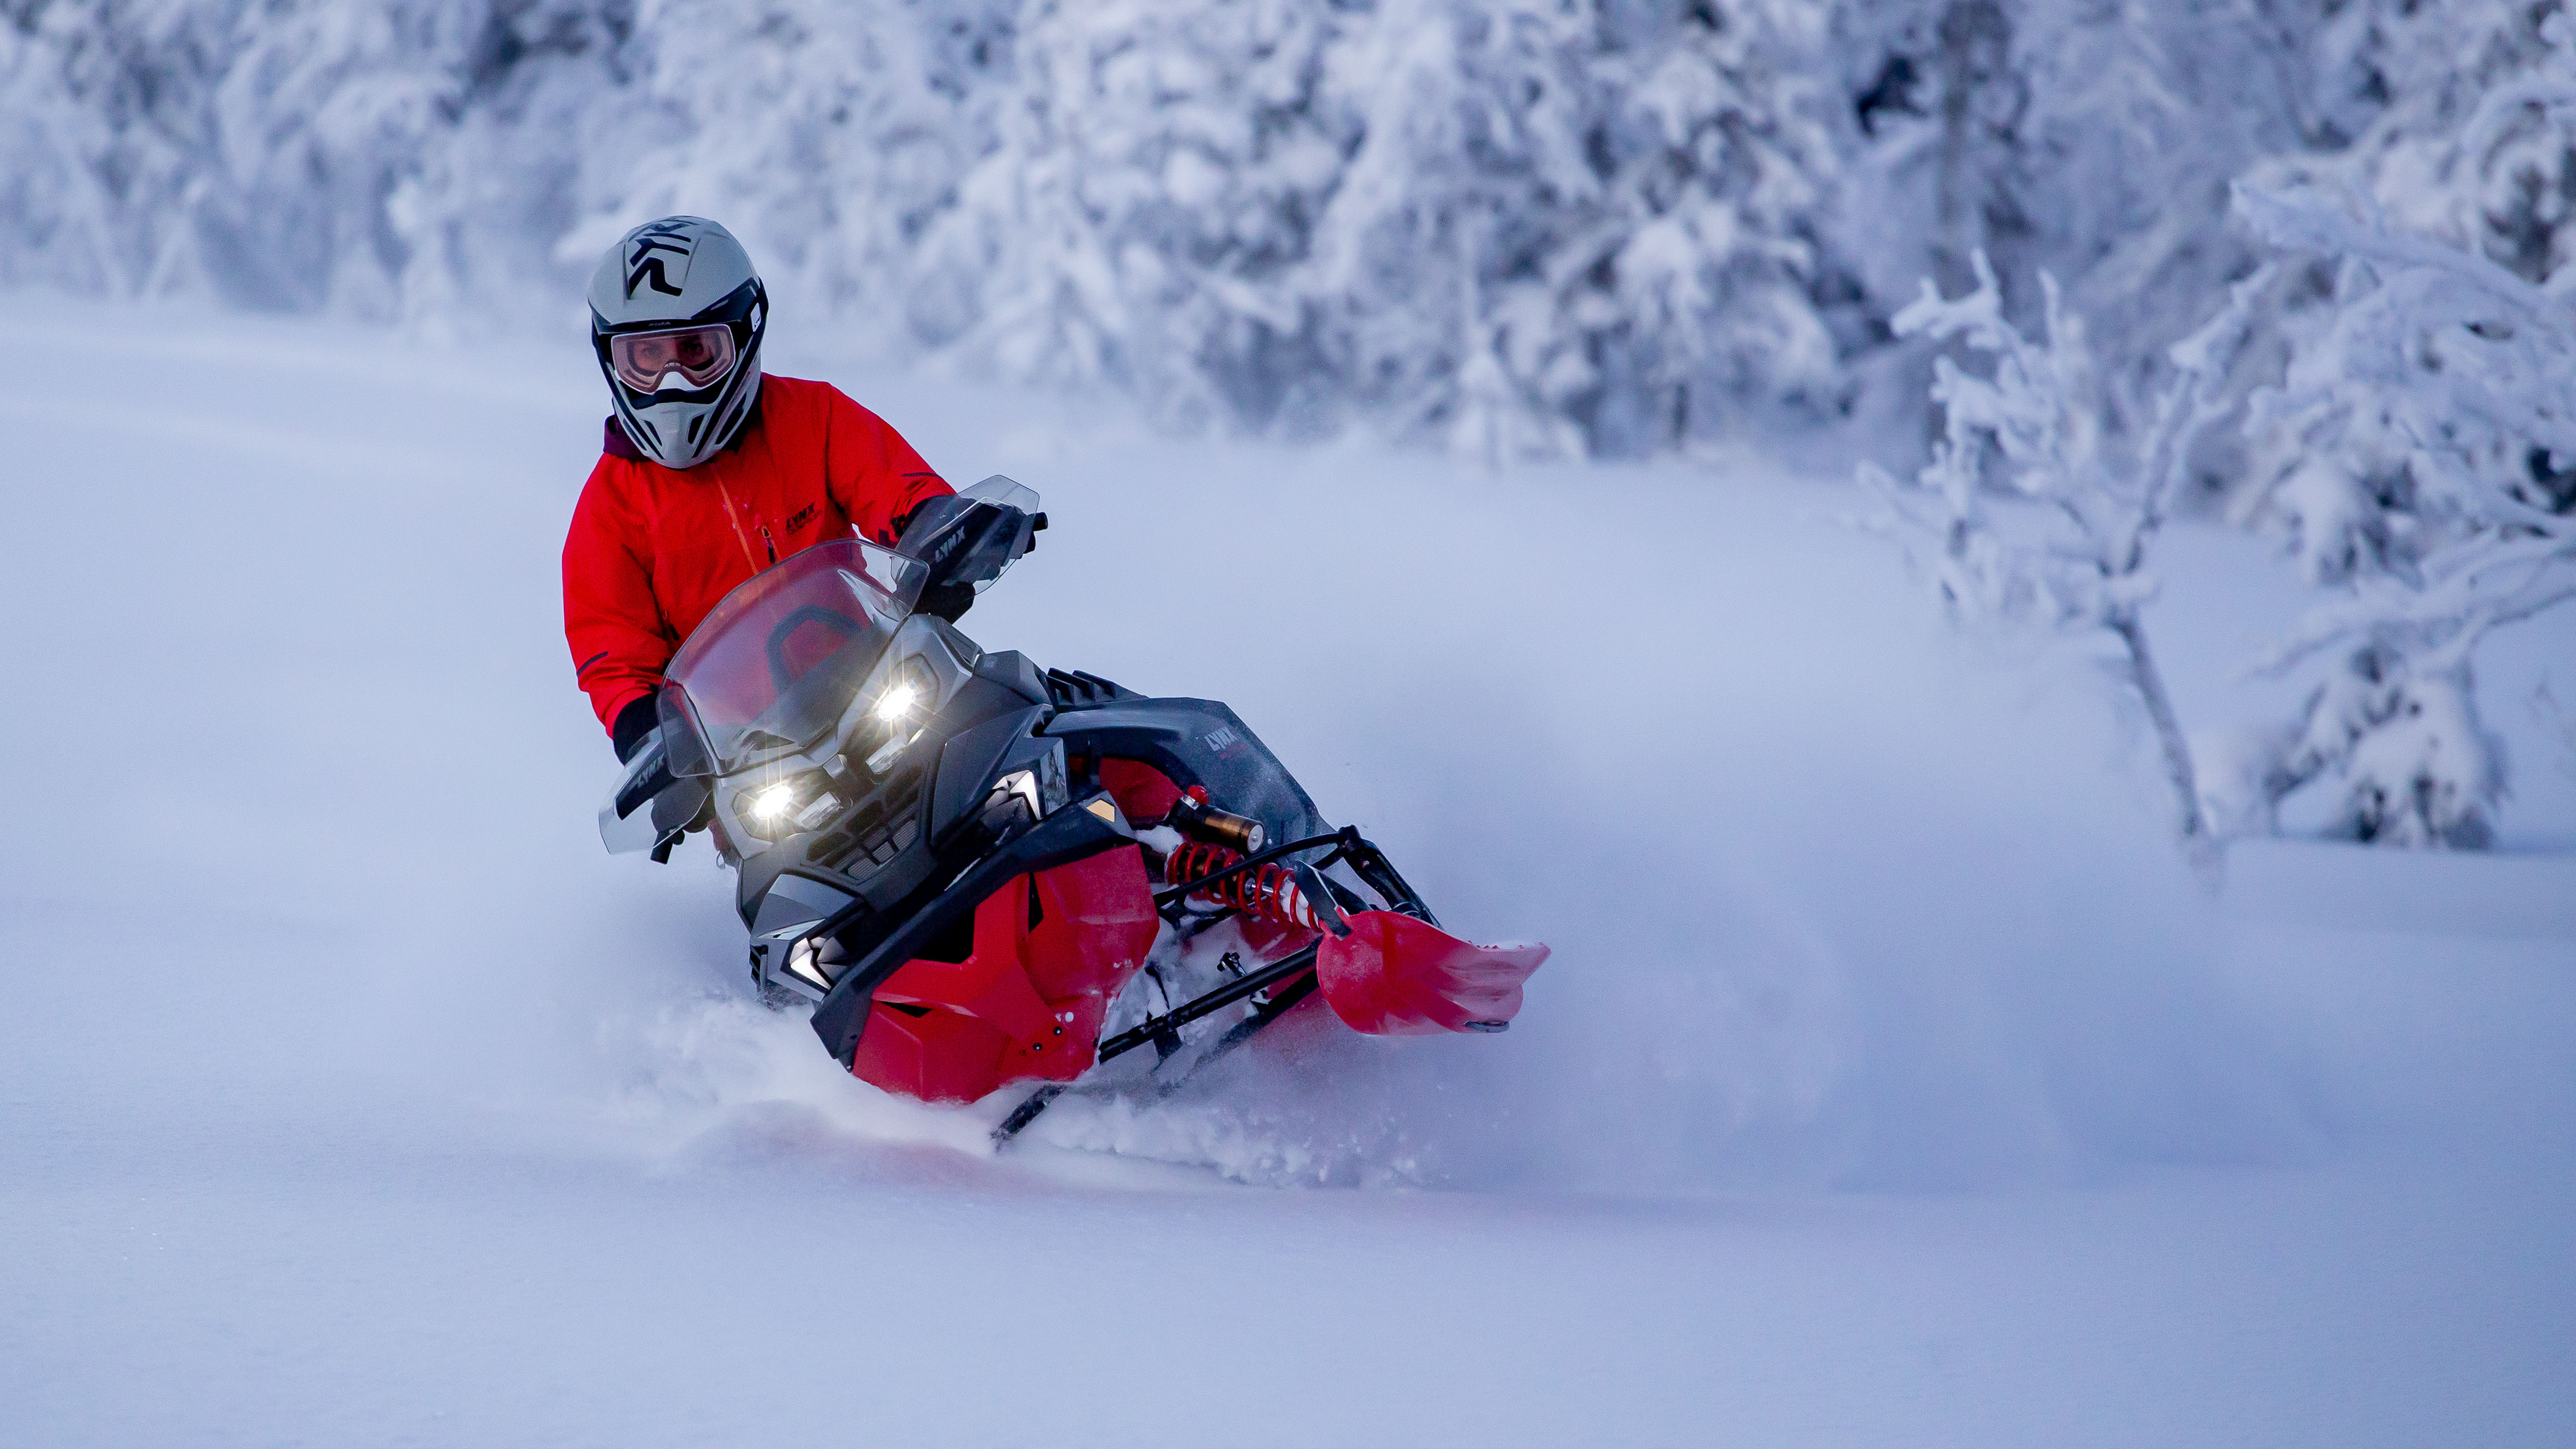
[(637, 720), (965, 541)]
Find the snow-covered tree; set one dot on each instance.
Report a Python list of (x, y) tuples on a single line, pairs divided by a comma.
[(292, 154), (1705, 283), (2434, 490), (2093, 141), (2029, 514), (829, 136), (1154, 184), (1638, 228), (1525, 227), (2437, 107), (2412, 450), (1607, 227), (112, 140), (1535, 227), (2026, 514)]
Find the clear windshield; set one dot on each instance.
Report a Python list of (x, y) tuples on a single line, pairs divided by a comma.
[(776, 663)]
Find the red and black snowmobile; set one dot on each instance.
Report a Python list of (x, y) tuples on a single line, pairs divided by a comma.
[(980, 872)]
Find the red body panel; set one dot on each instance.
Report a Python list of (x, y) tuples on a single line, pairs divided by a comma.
[(1050, 952), (1396, 976), (1142, 792)]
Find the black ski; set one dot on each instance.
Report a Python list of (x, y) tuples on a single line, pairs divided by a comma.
[(1293, 973)]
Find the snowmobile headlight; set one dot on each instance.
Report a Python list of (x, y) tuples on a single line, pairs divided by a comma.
[(899, 710), (897, 701), (771, 805), (799, 802)]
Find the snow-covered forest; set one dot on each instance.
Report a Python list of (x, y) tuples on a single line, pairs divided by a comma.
[(1598, 227), (1527, 229)]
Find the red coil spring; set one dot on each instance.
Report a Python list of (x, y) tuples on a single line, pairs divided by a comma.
[(1267, 891)]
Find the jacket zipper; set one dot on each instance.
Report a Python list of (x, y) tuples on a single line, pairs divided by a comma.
[(771, 543), (733, 516)]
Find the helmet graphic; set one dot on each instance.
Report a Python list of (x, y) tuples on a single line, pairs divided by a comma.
[(676, 315)]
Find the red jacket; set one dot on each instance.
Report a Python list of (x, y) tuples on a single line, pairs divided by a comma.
[(653, 549)]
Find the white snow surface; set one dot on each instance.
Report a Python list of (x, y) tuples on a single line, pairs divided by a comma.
[(1893, 1082)]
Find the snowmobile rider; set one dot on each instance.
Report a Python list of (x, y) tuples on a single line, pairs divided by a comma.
[(709, 472)]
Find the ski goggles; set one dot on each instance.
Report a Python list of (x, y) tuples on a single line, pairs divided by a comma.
[(699, 356)]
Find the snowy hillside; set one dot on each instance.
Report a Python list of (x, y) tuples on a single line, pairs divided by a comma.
[(1894, 1082)]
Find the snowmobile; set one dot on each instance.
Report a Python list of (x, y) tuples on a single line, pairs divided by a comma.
[(977, 872)]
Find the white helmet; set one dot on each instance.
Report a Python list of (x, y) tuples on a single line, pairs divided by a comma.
[(677, 314)]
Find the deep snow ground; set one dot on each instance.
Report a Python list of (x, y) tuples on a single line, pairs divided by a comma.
[(1892, 1083)]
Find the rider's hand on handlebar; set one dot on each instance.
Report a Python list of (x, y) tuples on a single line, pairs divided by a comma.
[(635, 725)]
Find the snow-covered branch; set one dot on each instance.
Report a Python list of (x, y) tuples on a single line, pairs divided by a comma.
[(2025, 515)]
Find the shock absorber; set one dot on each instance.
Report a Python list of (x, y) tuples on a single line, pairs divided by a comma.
[(1266, 891), (1194, 817)]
